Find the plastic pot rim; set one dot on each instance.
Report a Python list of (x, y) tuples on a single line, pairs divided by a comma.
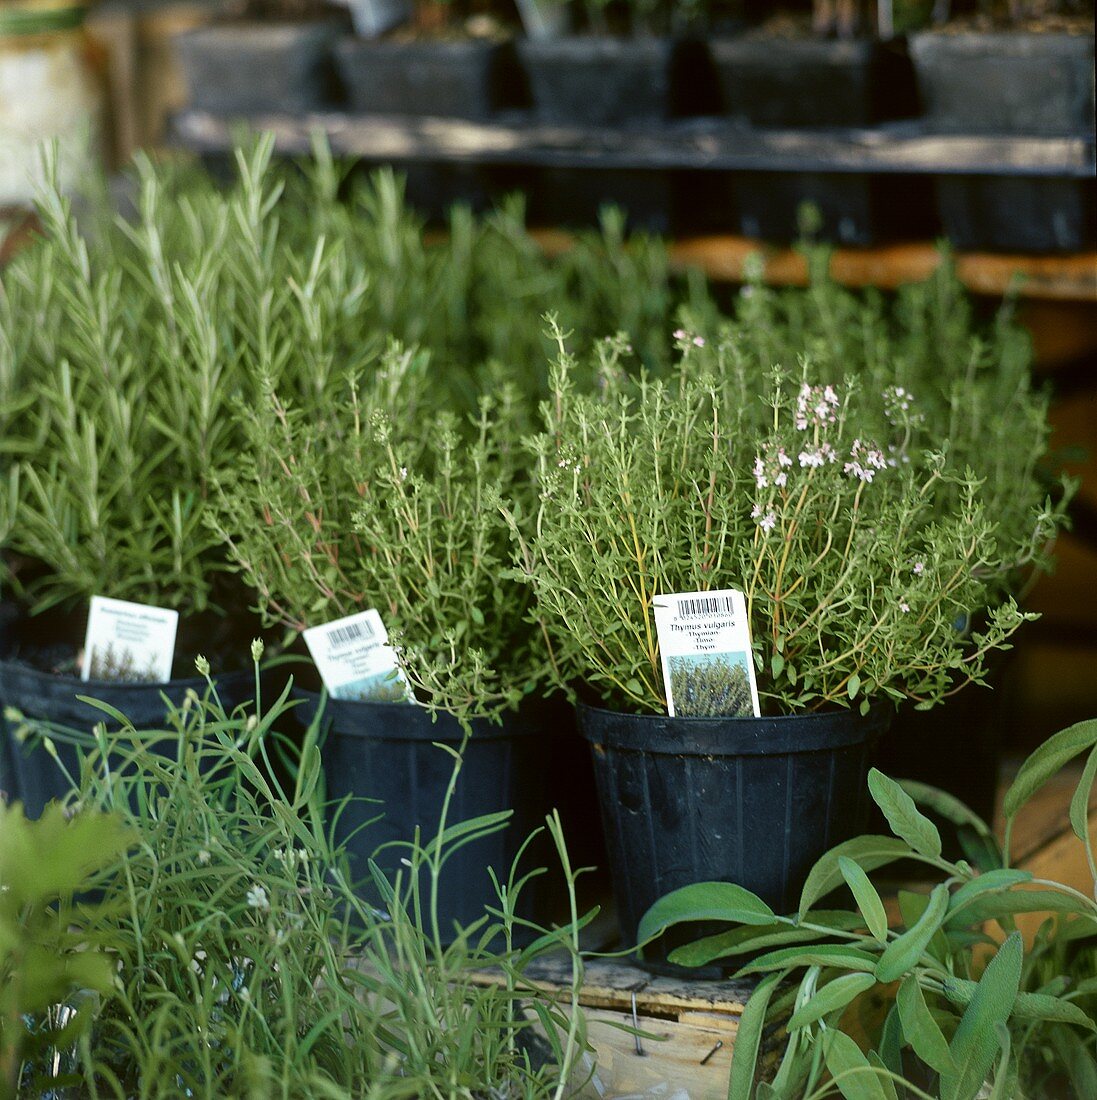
[(810, 732)]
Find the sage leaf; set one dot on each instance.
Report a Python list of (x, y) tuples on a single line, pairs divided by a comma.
[(1026, 1006), (835, 995), (904, 817), (902, 954), (975, 1044), (705, 901), (995, 906), (848, 958), (886, 1082), (869, 852), (748, 1039), (990, 882), (920, 1028), (1079, 804), (852, 1072), (868, 900), (1047, 760)]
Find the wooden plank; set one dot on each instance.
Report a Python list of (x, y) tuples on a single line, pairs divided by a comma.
[(1069, 278), (679, 1060), (612, 985), (707, 143)]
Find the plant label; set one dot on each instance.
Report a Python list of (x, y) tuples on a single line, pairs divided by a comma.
[(708, 666), (355, 660), (128, 642)]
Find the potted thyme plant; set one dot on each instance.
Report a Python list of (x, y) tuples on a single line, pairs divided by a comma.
[(851, 576), (378, 499), (930, 370)]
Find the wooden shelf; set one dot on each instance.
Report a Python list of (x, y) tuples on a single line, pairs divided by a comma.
[(1064, 278), (705, 143)]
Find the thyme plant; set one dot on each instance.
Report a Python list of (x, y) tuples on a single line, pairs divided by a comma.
[(928, 365), (355, 505), (855, 576)]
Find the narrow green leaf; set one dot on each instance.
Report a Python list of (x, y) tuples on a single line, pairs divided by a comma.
[(903, 954), (1047, 760), (853, 686), (886, 1082), (1026, 1006), (1079, 804), (738, 941), (904, 817), (748, 1039), (995, 906), (868, 852), (704, 901), (868, 900), (852, 1072), (990, 882), (952, 809), (920, 1028), (789, 958), (975, 1044), (891, 1041), (831, 997)]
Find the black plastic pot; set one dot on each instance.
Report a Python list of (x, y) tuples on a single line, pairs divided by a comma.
[(755, 801), (468, 79), (240, 69), (767, 82), (598, 81), (47, 697), (29, 646), (1006, 83), (574, 197), (794, 82), (384, 757), (1029, 85)]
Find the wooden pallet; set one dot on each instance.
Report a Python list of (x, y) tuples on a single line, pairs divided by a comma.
[(687, 1029)]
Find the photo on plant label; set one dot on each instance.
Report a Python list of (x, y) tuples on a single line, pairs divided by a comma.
[(122, 665), (386, 686), (710, 685)]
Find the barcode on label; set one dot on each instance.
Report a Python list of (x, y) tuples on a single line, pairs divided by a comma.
[(352, 632), (705, 605)]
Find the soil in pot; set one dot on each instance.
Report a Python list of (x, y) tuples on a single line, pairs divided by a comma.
[(755, 801), (383, 757), (39, 679), (464, 78), (251, 68)]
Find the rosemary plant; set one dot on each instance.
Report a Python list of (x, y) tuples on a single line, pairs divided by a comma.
[(855, 575)]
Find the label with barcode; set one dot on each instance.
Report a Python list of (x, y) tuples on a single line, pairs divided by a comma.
[(132, 643), (704, 645), (355, 660)]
